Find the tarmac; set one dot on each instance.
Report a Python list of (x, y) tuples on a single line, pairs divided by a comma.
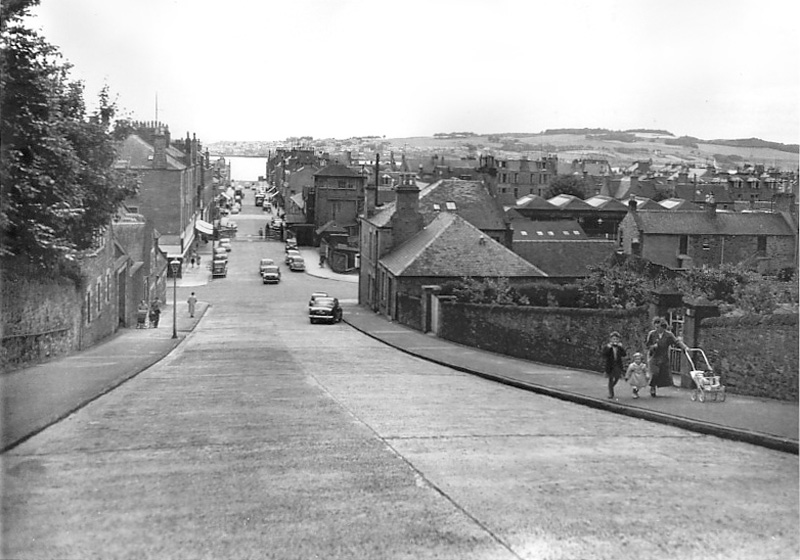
[(39, 396)]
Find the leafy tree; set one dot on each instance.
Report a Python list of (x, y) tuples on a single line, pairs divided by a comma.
[(567, 184), (59, 185)]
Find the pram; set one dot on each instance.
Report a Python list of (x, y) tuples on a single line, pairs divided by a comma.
[(706, 383), (141, 319)]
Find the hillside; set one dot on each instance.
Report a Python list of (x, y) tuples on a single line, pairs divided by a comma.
[(619, 148)]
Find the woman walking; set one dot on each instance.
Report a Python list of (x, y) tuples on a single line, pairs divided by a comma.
[(659, 341)]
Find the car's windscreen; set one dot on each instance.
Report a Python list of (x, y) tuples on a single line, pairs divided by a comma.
[(323, 302)]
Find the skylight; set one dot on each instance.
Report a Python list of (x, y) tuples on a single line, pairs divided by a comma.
[(450, 205)]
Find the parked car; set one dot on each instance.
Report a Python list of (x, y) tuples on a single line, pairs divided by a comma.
[(291, 244), (325, 309), (290, 254), (271, 274), (263, 264), (219, 269), (225, 243), (297, 264), (316, 295)]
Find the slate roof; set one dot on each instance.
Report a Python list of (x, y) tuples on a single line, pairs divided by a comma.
[(469, 199), (643, 203), (678, 204), (606, 203), (135, 153), (530, 230), (565, 258), (535, 201), (689, 222), (452, 247), (569, 202)]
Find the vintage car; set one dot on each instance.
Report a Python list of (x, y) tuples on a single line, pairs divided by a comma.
[(290, 254), (263, 264), (297, 264), (271, 274), (316, 295), (325, 309), (219, 269), (225, 243)]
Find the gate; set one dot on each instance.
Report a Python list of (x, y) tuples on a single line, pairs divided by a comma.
[(676, 320)]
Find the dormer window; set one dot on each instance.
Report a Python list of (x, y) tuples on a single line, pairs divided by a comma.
[(437, 207), (450, 206)]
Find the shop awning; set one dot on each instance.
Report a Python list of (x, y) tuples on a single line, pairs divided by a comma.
[(204, 227)]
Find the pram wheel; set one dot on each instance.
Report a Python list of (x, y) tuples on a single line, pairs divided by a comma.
[(694, 394), (722, 394), (701, 396)]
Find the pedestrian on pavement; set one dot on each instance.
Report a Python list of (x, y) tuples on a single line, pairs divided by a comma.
[(155, 313), (192, 301), (192, 261), (659, 341), (198, 261), (141, 315), (637, 375), (613, 352)]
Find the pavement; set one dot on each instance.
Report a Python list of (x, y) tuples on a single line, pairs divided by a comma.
[(41, 395)]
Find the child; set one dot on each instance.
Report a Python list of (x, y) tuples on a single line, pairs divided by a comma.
[(638, 375), (613, 352)]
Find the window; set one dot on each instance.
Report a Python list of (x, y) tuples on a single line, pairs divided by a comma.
[(88, 306), (437, 207), (683, 244), (341, 184), (108, 287), (762, 244), (706, 245), (565, 232), (450, 205), (525, 233)]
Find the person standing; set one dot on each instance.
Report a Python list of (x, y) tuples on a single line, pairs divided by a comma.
[(613, 352), (659, 341), (155, 313), (192, 301), (198, 260)]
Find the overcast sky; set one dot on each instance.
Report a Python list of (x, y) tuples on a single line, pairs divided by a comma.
[(267, 70)]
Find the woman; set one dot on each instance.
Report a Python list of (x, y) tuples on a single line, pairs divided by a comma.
[(659, 341)]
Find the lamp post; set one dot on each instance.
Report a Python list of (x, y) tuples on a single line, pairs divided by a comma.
[(174, 265)]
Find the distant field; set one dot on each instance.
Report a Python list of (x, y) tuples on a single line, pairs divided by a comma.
[(572, 146)]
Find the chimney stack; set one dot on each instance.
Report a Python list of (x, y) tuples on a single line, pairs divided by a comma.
[(159, 149), (632, 204), (406, 221), (711, 206)]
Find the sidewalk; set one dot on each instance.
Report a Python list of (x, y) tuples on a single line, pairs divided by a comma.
[(39, 396), (765, 422)]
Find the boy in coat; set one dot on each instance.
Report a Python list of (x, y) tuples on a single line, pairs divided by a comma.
[(613, 352)]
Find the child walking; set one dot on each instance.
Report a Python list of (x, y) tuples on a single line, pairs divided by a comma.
[(638, 374), (613, 352)]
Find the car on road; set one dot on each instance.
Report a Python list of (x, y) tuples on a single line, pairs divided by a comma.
[(225, 243), (271, 274), (297, 264), (264, 263), (290, 254), (325, 309), (316, 295), (291, 243)]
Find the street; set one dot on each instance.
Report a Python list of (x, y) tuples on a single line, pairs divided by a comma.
[(263, 436)]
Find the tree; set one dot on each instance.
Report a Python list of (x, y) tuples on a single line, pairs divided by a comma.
[(567, 184), (59, 184)]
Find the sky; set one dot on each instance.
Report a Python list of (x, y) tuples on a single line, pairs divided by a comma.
[(269, 70)]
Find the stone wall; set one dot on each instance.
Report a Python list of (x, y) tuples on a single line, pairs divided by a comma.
[(755, 355), (41, 318), (560, 336)]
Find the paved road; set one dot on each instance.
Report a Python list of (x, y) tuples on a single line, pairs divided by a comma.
[(262, 436)]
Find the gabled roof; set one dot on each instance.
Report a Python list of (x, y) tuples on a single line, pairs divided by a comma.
[(337, 170), (452, 247), (534, 201), (565, 258), (569, 202), (643, 203), (469, 199), (529, 230), (607, 203), (689, 222), (135, 153)]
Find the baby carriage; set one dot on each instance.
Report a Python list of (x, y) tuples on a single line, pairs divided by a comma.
[(706, 383)]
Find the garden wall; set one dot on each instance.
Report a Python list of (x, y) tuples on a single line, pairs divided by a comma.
[(756, 355), (553, 335)]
